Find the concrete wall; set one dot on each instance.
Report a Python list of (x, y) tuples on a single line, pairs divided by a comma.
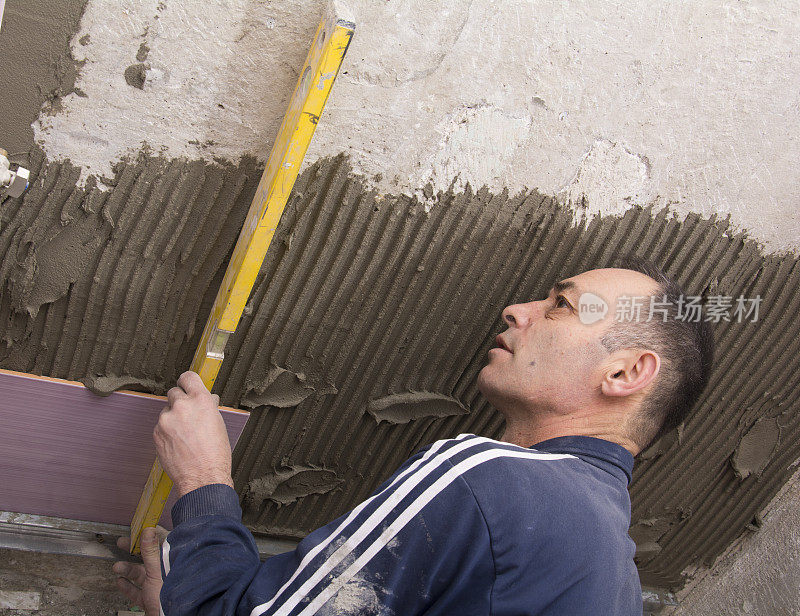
[(691, 103), (759, 575)]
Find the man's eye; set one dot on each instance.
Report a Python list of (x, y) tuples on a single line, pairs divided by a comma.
[(561, 302)]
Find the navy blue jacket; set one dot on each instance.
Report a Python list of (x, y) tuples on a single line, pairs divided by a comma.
[(467, 526)]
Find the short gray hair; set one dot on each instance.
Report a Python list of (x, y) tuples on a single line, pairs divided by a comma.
[(686, 349)]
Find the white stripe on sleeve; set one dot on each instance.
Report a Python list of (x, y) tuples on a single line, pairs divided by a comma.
[(165, 556)]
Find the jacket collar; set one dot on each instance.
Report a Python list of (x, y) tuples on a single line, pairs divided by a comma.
[(596, 451)]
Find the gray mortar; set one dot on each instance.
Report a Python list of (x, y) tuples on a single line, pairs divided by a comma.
[(411, 405), (135, 258), (373, 296), (289, 484), (107, 384), (29, 84), (756, 448), (283, 388), (135, 75), (142, 52)]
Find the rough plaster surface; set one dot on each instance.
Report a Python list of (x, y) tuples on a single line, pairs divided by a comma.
[(194, 79), (759, 575), (608, 104)]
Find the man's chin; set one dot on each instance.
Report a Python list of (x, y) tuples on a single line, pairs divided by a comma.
[(493, 383), (482, 379), (485, 381)]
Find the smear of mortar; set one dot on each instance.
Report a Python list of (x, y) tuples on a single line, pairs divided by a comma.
[(646, 534), (282, 388), (51, 267), (754, 451), (408, 406), (104, 385), (291, 483), (135, 75)]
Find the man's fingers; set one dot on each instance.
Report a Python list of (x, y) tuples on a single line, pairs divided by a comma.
[(131, 571), (175, 394), (124, 543), (151, 553), (191, 383), (133, 593)]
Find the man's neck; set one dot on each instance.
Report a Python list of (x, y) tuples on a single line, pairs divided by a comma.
[(528, 433)]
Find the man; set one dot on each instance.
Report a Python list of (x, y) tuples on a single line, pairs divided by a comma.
[(534, 524)]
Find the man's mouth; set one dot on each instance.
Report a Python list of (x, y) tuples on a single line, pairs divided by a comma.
[(502, 343)]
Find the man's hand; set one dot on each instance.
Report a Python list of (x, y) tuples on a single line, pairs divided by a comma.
[(191, 439), (142, 583)]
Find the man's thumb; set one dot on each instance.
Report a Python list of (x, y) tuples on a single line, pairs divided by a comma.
[(150, 553)]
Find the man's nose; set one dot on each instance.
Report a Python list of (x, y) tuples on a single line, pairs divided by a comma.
[(519, 315)]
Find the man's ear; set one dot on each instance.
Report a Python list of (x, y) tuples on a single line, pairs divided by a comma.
[(629, 372)]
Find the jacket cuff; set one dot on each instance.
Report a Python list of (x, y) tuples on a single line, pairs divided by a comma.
[(213, 499)]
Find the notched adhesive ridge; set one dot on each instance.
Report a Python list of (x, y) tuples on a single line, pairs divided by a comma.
[(389, 294)]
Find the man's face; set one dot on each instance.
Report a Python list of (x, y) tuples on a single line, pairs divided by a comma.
[(550, 358)]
